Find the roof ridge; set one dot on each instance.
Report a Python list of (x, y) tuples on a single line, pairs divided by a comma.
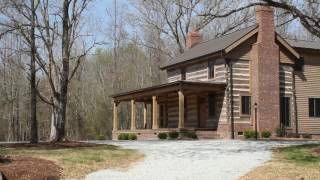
[(226, 34)]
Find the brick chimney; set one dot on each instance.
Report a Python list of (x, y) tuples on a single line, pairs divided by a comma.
[(265, 72), (193, 38)]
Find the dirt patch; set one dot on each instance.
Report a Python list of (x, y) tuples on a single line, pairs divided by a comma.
[(316, 151), (25, 168), (66, 160), (276, 170), (48, 145)]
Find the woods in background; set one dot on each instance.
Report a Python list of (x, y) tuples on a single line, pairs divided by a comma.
[(80, 62)]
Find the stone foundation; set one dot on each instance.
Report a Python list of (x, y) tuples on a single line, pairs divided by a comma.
[(152, 134)]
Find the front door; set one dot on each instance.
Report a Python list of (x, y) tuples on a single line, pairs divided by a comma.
[(203, 112)]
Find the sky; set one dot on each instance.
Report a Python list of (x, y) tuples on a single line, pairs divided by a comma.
[(100, 18), (100, 14)]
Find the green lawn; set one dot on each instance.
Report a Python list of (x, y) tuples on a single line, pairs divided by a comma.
[(303, 155), (79, 161), (294, 162)]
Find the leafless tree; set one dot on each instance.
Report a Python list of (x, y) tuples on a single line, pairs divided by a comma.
[(33, 89), (20, 18), (307, 12), (175, 18), (58, 71)]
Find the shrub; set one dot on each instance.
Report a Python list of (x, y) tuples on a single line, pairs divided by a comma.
[(281, 132), (306, 136), (132, 137), (120, 137), (191, 135), (162, 135), (292, 135), (173, 135), (101, 137), (123, 136), (250, 134), (265, 134)]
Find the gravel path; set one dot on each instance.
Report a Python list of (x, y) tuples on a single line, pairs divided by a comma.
[(192, 160)]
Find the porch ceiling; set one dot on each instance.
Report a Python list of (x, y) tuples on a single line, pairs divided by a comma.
[(147, 93)]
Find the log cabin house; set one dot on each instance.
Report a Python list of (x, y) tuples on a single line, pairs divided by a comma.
[(219, 88)]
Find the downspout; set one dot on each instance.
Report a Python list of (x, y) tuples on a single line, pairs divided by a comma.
[(231, 96), (294, 94), (295, 101)]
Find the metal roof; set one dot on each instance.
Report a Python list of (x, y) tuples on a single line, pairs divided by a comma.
[(221, 43), (304, 44), (210, 46)]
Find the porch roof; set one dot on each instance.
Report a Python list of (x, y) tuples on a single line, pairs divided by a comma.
[(169, 87)]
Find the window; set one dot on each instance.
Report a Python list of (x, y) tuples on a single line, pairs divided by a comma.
[(211, 105), (183, 74), (245, 105), (314, 107), (211, 70), (285, 111)]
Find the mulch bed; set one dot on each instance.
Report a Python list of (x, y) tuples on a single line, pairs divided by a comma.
[(27, 168), (48, 145)]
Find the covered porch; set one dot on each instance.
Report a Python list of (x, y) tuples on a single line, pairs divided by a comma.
[(176, 106)]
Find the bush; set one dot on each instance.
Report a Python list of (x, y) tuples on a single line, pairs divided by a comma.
[(173, 135), (265, 134), (123, 136), (292, 135), (250, 134), (162, 135), (281, 132), (191, 135), (132, 137), (101, 137), (306, 136)]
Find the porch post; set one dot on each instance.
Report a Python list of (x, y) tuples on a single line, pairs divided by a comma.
[(133, 114), (115, 116), (181, 109), (154, 113), (145, 115)]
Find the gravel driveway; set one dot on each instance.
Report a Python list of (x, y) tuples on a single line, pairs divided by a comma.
[(192, 160)]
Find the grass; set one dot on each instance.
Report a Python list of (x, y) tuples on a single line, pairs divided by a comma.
[(294, 162), (302, 155), (79, 161)]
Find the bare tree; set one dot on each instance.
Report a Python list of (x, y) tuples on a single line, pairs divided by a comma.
[(175, 18), (33, 104), (308, 12), (22, 22), (60, 72)]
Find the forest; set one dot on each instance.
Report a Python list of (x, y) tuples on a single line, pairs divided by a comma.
[(61, 60)]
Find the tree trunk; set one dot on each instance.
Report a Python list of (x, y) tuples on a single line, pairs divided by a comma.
[(53, 129), (60, 102), (33, 105)]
